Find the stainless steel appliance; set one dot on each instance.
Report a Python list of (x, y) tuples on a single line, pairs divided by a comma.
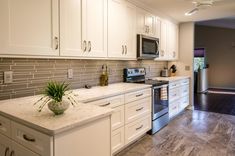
[(147, 47), (160, 106)]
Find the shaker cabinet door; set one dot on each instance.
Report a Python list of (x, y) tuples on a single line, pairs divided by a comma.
[(5, 145), (29, 27)]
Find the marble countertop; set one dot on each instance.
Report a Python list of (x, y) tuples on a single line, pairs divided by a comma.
[(23, 111), (96, 93), (172, 79)]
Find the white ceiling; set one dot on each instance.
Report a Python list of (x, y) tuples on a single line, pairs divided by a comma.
[(177, 8)]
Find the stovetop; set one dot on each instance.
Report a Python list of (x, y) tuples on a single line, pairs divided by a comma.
[(155, 82)]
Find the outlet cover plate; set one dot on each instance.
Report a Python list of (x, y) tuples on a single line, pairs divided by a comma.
[(8, 77)]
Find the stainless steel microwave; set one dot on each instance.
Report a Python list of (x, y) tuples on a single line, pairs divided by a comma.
[(147, 47)]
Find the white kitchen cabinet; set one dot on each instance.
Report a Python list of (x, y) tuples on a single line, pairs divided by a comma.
[(11, 148), (29, 28), (178, 96), (168, 40), (145, 23), (121, 30), (83, 28)]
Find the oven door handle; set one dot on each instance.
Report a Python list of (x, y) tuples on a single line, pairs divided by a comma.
[(160, 86)]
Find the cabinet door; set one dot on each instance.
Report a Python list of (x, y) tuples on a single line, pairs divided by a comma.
[(29, 27), (19, 150), (150, 23), (163, 40), (70, 28), (5, 145), (130, 31), (172, 38), (94, 27), (116, 28)]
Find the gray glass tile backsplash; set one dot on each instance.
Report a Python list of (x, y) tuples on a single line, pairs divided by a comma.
[(31, 75)]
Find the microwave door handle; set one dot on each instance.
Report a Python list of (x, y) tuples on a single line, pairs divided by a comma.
[(157, 51)]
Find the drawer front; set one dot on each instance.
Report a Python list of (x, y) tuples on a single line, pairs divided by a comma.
[(137, 128), (174, 94), (184, 102), (133, 96), (21, 151), (32, 139), (175, 84), (117, 119), (5, 126), (174, 109), (110, 102), (137, 109), (118, 139), (184, 90), (185, 82)]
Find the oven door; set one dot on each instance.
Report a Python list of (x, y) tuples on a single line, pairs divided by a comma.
[(160, 101), (148, 47)]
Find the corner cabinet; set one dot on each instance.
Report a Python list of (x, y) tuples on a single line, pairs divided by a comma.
[(168, 40), (29, 28), (83, 28), (121, 29)]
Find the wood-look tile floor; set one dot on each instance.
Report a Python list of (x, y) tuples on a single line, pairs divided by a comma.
[(193, 133)]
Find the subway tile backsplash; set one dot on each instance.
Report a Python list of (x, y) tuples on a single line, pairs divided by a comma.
[(31, 75)]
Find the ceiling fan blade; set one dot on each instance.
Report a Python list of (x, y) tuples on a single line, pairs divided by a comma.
[(189, 13)]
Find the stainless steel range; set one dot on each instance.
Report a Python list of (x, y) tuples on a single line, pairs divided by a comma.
[(160, 106)]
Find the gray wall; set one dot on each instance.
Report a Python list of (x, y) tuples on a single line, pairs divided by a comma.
[(31, 75), (220, 53)]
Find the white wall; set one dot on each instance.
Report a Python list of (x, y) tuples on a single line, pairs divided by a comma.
[(186, 48)]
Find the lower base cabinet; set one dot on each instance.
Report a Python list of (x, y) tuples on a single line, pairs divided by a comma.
[(118, 139)]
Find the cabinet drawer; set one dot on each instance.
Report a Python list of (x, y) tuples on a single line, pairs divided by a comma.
[(184, 102), (133, 96), (118, 139), (185, 82), (174, 94), (184, 90), (21, 151), (137, 128), (173, 108), (110, 102), (5, 126), (175, 84), (137, 109), (32, 139), (117, 119)]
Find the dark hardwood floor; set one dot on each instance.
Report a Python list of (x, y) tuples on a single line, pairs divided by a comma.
[(219, 103)]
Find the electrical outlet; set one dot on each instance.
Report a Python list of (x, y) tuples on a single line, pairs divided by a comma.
[(8, 77), (70, 73)]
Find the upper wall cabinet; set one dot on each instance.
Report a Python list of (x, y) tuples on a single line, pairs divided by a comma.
[(29, 27), (121, 29), (83, 28), (168, 41), (145, 23)]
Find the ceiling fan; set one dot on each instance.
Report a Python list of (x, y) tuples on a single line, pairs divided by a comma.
[(200, 5)]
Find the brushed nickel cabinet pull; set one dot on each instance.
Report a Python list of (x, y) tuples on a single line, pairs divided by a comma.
[(139, 127), (139, 95), (56, 43), (28, 138), (12, 153), (122, 49), (89, 45), (125, 49), (139, 109), (84, 46), (105, 104), (6, 151)]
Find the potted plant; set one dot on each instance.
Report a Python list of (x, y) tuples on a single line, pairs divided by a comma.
[(57, 96)]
